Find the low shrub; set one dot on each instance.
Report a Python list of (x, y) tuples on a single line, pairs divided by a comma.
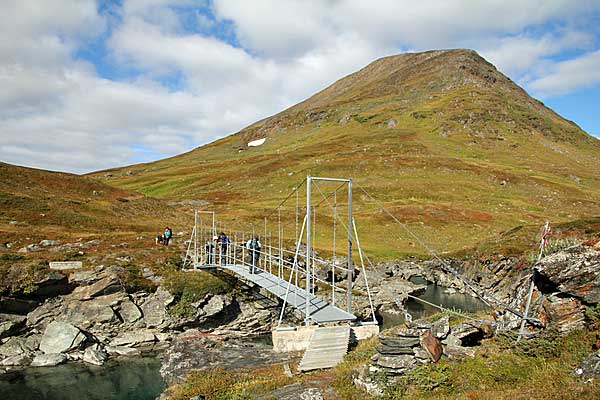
[(11, 257), (21, 279), (592, 316), (133, 279), (222, 384), (191, 287)]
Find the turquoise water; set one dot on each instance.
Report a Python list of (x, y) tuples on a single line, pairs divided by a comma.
[(132, 379)]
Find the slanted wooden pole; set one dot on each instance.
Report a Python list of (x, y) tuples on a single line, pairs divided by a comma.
[(532, 285)]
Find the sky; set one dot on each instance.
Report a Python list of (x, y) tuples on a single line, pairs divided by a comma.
[(87, 85)]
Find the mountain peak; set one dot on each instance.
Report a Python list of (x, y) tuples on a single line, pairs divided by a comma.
[(442, 82)]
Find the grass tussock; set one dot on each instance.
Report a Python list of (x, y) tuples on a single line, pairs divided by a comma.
[(343, 373), (221, 384)]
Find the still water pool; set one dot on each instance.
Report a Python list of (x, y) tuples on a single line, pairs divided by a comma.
[(437, 295), (133, 379)]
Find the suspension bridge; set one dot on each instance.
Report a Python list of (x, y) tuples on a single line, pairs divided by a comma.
[(319, 290), (289, 274)]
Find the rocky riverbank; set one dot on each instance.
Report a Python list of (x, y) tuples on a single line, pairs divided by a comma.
[(98, 320), (92, 316)]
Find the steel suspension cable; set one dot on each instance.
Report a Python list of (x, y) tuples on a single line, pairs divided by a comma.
[(444, 263)]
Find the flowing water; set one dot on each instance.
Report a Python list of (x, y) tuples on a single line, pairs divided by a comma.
[(131, 379), (437, 295)]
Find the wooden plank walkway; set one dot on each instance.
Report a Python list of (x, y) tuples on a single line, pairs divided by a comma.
[(320, 310), (327, 348)]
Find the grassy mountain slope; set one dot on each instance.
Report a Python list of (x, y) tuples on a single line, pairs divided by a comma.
[(453, 147), (37, 204)]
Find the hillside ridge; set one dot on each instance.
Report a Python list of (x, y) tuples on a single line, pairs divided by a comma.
[(455, 148)]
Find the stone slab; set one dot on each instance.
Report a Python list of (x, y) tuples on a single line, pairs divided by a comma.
[(65, 265)]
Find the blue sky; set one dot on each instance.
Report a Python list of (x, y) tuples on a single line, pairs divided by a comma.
[(96, 84)]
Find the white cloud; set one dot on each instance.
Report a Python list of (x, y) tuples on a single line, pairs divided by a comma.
[(56, 112), (516, 55), (568, 75)]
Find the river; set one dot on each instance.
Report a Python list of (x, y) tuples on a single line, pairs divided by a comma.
[(437, 295), (131, 379), (139, 378)]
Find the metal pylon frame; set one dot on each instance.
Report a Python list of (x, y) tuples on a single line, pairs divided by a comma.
[(310, 259), (194, 237)]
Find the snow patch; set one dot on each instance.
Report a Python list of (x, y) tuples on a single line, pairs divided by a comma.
[(258, 142)]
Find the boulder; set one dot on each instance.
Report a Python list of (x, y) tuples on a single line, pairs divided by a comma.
[(30, 248), (399, 341), (408, 332), (468, 333), (134, 338), (10, 325), (94, 356), (49, 309), (16, 360), (590, 367), (107, 285), (48, 243), (60, 337), (393, 350), (215, 305), (432, 345), (122, 351), (129, 312), (441, 327), (83, 277), (452, 341), (293, 392), (87, 313), (400, 362), (32, 342), (14, 346), (154, 309), (421, 354), (574, 271), (458, 352), (48, 360), (565, 314)]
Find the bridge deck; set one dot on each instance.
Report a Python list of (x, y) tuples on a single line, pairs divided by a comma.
[(320, 311)]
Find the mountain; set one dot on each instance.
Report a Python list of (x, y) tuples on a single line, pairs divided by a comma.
[(450, 145), (37, 204)]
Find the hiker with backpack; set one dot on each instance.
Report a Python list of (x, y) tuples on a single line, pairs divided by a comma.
[(167, 236), (223, 242), (253, 247), (210, 251)]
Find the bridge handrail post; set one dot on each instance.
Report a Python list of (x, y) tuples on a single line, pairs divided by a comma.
[(308, 249), (294, 267)]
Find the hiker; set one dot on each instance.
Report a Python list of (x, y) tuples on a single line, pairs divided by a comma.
[(159, 239), (253, 247), (167, 236), (223, 241), (210, 251)]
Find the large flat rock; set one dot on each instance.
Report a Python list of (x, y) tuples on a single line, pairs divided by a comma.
[(574, 271), (60, 337)]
